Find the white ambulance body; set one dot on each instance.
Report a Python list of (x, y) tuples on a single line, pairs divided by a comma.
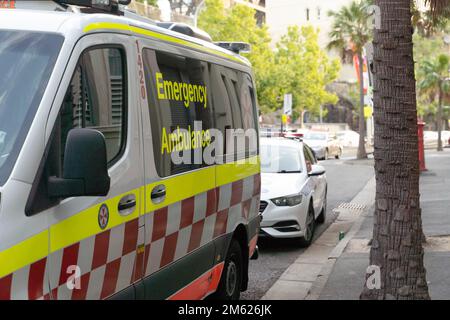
[(92, 205)]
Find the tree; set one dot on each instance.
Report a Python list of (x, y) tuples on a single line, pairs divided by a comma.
[(435, 79), (306, 70), (351, 29), (299, 66), (150, 2), (187, 7), (239, 24), (427, 23), (397, 236)]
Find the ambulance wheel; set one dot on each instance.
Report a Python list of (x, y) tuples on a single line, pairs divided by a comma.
[(231, 280)]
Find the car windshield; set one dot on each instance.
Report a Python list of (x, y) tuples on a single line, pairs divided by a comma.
[(280, 159), (26, 63), (315, 136)]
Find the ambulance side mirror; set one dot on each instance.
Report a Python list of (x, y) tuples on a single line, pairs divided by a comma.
[(85, 170)]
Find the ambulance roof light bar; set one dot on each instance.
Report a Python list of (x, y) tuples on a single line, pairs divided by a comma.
[(186, 29), (236, 47), (111, 6)]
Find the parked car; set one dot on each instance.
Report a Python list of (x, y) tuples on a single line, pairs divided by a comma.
[(323, 144), (430, 139), (348, 138), (445, 136), (293, 190)]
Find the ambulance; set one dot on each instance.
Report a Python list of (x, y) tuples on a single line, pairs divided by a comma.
[(115, 182)]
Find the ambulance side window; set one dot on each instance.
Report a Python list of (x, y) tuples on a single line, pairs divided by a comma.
[(96, 98), (248, 103), (221, 101), (249, 114), (234, 104), (178, 91)]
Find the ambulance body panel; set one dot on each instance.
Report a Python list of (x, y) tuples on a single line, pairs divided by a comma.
[(156, 234)]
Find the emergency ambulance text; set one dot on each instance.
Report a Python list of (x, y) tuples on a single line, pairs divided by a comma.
[(180, 91)]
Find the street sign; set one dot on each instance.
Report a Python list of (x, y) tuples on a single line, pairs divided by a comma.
[(287, 106), (284, 119)]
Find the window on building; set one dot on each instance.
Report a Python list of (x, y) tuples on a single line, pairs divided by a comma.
[(307, 14)]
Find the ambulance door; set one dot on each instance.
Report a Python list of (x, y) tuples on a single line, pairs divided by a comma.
[(180, 215), (94, 240)]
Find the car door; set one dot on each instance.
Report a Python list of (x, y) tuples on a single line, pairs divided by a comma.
[(318, 182), (93, 240)]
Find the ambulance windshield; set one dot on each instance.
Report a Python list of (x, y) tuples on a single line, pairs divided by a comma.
[(26, 63)]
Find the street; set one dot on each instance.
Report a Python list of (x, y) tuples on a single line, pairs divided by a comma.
[(345, 179)]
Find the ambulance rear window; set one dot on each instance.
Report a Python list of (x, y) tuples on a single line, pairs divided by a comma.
[(26, 63)]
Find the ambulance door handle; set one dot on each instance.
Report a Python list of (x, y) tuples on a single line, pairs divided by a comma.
[(127, 204), (158, 194)]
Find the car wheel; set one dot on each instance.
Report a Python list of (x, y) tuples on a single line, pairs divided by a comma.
[(306, 240), (231, 279), (322, 216)]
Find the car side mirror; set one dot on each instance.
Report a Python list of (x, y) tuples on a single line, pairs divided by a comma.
[(316, 170), (85, 170)]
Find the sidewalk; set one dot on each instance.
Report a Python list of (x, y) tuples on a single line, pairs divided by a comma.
[(305, 277), (346, 279)]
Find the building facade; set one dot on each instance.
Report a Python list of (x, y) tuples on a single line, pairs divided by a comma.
[(258, 5), (280, 14)]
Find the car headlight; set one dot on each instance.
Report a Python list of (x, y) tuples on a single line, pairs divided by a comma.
[(288, 201)]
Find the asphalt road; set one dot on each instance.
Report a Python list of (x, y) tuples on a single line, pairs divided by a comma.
[(345, 179)]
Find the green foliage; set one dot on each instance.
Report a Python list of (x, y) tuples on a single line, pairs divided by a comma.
[(149, 2), (239, 24), (428, 47), (299, 67), (350, 28), (433, 80), (434, 19), (434, 75), (306, 69)]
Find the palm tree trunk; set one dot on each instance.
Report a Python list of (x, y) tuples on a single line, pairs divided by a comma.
[(439, 119), (397, 235), (361, 154)]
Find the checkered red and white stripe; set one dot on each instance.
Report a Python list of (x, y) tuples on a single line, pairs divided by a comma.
[(175, 231), (114, 259)]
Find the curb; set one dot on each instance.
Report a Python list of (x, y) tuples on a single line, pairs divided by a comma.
[(318, 286), (306, 277)]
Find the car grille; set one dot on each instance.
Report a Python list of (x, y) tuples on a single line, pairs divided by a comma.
[(262, 206)]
